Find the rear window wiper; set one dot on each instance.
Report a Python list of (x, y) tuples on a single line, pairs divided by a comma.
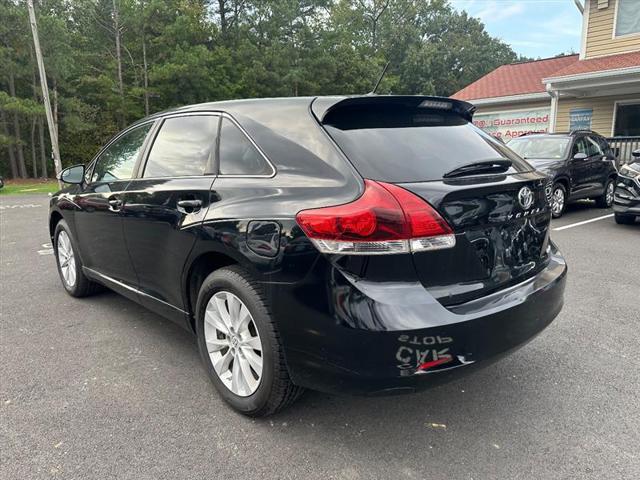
[(477, 168)]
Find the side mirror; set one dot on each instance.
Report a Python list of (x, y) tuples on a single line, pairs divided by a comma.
[(580, 156), (73, 175), (636, 153)]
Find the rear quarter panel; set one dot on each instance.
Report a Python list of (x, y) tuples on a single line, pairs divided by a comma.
[(310, 172)]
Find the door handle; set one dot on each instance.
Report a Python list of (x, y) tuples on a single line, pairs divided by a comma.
[(115, 204), (189, 206)]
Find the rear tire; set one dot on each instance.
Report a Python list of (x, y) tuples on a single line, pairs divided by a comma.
[(69, 264), (624, 219), (274, 390), (558, 200), (606, 199)]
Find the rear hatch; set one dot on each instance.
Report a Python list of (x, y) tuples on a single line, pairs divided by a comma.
[(496, 203)]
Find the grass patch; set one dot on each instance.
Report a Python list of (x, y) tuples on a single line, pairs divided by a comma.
[(25, 187)]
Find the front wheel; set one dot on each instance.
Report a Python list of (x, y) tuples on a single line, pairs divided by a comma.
[(240, 345), (606, 199), (558, 200)]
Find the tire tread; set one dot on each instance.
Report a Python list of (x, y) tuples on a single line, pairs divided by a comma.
[(283, 391), (84, 286), (601, 201)]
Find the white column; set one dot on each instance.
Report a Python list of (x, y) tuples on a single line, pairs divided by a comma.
[(554, 108)]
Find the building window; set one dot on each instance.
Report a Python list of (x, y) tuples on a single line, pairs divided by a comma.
[(627, 17), (627, 122)]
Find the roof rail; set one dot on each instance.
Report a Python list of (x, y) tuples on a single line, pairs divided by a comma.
[(582, 130)]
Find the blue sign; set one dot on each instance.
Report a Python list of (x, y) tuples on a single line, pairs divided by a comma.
[(580, 118)]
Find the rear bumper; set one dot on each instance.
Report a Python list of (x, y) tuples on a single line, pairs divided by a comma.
[(392, 338)]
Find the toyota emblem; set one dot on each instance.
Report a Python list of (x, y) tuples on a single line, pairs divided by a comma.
[(525, 197)]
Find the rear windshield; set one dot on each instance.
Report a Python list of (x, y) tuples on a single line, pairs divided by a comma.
[(400, 144)]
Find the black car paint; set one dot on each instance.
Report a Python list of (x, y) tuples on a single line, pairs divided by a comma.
[(347, 322), (583, 178), (492, 249)]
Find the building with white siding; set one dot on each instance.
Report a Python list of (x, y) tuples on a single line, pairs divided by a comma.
[(599, 89)]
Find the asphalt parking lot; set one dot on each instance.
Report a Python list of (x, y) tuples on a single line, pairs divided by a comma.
[(101, 388)]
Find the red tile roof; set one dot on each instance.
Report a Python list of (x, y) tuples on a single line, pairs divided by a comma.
[(515, 79), (524, 78), (600, 64)]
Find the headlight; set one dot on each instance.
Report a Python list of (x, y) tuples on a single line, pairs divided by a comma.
[(627, 171)]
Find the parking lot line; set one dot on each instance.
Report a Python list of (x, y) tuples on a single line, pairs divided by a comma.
[(571, 225)]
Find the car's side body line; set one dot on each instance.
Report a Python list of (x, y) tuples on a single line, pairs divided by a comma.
[(165, 309)]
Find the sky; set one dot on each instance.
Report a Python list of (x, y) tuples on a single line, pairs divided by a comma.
[(534, 28)]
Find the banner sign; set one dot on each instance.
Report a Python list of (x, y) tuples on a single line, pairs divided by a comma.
[(507, 125), (580, 118)]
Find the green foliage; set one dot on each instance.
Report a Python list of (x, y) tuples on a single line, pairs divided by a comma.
[(50, 186), (176, 52), (22, 106)]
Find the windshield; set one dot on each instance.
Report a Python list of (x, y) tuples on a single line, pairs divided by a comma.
[(540, 147)]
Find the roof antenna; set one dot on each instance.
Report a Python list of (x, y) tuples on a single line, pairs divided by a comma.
[(384, 70)]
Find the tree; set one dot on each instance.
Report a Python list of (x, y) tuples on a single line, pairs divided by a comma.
[(110, 62)]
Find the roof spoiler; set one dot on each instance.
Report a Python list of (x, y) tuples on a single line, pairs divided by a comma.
[(322, 107)]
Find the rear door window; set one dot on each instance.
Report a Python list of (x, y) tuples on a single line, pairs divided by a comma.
[(238, 155), (604, 146), (594, 146), (413, 145), (183, 147)]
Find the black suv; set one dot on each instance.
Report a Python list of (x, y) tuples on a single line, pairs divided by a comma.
[(369, 245), (581, 164)]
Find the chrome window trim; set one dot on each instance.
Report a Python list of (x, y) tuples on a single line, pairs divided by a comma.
[(138, 175), (114, 139), (217, 174), (149, 148), (255, 145), (210, 175)]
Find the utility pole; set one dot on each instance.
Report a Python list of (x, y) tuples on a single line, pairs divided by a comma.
[(53, 133), (117, 28)]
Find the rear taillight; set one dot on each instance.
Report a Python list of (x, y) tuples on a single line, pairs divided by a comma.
[(385, 219)]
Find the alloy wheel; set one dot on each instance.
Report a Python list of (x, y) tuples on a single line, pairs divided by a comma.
[(66, 259), (233, 343), (557, 201), (609, 194)]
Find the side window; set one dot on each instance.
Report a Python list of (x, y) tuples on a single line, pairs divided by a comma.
[(238, 156), (118, 160), (604, 146), (593, 148), (183, 147), (580, 146)]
